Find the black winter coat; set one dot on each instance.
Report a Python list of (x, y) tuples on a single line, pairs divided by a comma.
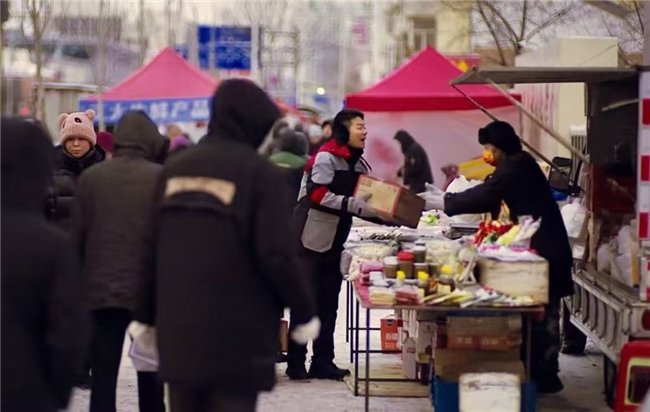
[(62, 188), (113, 207), (224, 271), (521, 184), (44, 328), (417, 170)]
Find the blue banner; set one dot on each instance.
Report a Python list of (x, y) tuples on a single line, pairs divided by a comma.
[(224, 47), (161, 111)]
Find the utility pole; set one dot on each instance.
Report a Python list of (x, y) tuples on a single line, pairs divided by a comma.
[(142, 42), (168, 18)]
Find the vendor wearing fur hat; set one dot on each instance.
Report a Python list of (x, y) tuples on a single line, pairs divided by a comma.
[(519, 182), (77, 151)]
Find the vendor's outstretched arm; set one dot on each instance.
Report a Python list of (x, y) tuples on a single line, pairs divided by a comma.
[(484, 198)]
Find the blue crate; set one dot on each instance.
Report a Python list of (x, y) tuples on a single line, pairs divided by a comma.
[(445, 397)]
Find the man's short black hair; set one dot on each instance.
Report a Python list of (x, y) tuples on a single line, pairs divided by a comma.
[(325, 123), (341, 124)]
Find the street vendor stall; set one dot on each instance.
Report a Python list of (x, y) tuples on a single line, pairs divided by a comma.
[(417, 97), (455, 293)]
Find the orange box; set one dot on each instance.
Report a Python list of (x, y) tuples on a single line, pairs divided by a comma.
[(389, 333), (486, 343)]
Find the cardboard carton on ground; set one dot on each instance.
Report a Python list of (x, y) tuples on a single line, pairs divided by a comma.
[(389, 333), (391, 200), (426, 338), (468, 341), (284, 335), (449, 357), (409, 358), (484, 325)]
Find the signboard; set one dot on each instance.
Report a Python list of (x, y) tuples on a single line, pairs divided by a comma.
[(160, 111), (182, 50), (224, 47)]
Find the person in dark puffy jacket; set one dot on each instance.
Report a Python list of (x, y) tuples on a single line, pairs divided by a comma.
[(44, 327), (292, 158), (112, 208), (417, 170), (77, 152)]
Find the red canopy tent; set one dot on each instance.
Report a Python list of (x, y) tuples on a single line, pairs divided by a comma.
[(169, 88), (422, 84)]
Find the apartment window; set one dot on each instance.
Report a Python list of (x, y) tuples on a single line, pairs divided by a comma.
[(424, 38)]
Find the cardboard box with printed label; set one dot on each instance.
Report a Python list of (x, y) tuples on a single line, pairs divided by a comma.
[(446, 358), (392, 200), (389, 333), (515, 278)]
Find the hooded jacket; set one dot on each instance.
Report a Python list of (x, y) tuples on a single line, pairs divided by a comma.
[(61, 191), (417, 170), (113, 210), (292, 158), (222, 267), (521, 184), (43, 322)]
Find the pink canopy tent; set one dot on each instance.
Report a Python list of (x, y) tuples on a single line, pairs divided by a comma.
[(418, 98), (169, 89)]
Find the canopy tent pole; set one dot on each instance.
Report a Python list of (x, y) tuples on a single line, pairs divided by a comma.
[(561, 140), (523, 142)]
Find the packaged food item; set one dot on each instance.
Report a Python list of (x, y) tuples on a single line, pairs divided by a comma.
[(405, 259), (401, 278), (420, 254), (423, 281), (421, 267), (391, 265), (434, 270)]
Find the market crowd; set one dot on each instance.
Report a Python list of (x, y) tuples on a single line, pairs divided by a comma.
[(185, 238)]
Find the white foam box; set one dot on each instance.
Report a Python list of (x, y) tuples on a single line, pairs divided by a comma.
[(515, 278), (489, 392)]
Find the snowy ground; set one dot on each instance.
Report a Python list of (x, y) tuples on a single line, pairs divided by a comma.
[(582, 377)]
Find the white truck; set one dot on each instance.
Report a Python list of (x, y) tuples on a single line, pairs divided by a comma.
[(607, 311)]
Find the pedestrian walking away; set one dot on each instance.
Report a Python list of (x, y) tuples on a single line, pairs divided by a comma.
[(220, 264), (112, 215), (416, 170), (44, 323)]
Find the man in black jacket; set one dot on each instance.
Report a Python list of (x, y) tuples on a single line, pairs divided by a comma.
[(416, 170), (44, 327), (224, 272), (324, 217), (519, 182), (113, 204)]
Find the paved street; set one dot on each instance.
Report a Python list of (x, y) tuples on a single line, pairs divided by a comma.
[(582, 377)]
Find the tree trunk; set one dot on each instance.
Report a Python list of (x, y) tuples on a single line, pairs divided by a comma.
[(39, 106)]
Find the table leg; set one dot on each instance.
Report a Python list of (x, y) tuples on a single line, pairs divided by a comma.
[(347, 311), (528, 349), (352, 323), (356, 350), (367, 398)]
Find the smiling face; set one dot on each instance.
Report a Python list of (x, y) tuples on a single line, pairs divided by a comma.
[(77, 147), (358, 133)]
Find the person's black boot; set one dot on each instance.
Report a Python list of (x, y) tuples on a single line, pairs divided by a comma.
[(327, 371), (549, 384), (297, 372)]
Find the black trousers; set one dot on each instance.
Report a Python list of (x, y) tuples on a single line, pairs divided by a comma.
[(109, 328), (325, 269), (205, 400), (545, 343)]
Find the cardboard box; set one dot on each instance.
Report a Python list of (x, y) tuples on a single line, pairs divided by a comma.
[(392, 200), (484, 325), (409, 357), (389, 333), (284, 335), (452, 373), (426, 338), (449, 357), (515, 278), (484, 343)]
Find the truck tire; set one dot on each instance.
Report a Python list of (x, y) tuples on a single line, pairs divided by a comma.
[(610, 374)]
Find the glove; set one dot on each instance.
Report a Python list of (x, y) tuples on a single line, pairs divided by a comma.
[(433, 201), (306, 332), (359, 206), (432, 189)]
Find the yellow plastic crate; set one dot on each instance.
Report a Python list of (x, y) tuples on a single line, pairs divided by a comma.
[(475, 169)]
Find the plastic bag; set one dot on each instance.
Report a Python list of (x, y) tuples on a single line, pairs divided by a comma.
[(461, 184), (144, 350), (624, 240), (574, 216), (604, 258)]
